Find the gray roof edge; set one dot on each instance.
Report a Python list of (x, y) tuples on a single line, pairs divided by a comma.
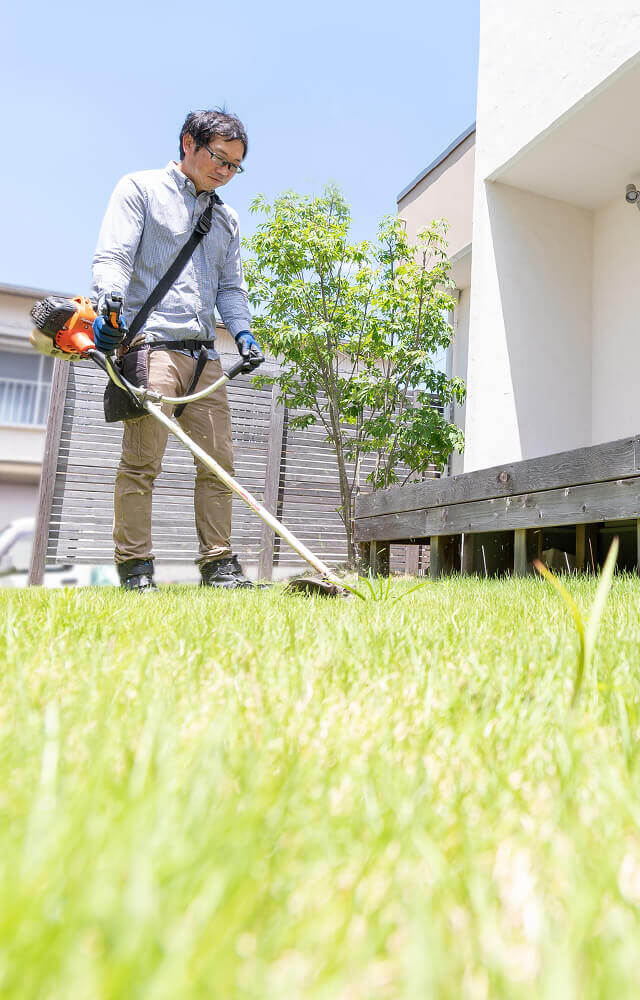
[(438, 160), (28, 293)]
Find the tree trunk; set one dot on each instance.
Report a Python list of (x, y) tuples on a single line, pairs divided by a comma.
[(343, 479)]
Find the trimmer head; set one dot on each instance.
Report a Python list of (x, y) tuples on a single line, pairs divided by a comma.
[(314, 585)]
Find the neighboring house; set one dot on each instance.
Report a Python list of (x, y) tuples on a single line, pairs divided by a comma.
[(25, 383), (445, 190)]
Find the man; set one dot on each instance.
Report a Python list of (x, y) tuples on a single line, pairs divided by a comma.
[(150, 217)]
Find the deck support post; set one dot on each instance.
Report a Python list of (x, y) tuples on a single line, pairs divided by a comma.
[(374, 558), (380, 558), (468, 552), (539, 541), (363, 558), (442, 555), (586, 548), (520, 552)]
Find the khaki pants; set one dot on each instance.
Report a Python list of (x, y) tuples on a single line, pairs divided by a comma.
[(208, 422)]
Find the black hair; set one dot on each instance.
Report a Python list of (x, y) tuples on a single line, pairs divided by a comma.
[(205, 125)]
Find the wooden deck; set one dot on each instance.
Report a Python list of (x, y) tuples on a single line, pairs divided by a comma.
[(497, 520)]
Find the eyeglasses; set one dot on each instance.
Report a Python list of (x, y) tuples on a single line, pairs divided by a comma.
[(234, 168)]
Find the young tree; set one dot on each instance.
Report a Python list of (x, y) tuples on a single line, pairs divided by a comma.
[(357, 326)]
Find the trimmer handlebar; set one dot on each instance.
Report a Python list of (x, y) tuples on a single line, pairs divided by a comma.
[(244, 365), (106, 364)]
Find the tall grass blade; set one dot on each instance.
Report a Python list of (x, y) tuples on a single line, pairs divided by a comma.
[(604, 586), (567, 598), (418, 586), (587, 636)]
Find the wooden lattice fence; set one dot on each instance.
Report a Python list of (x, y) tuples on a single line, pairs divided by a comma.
[(293, 472)]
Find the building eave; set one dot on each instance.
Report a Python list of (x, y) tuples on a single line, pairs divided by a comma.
[(436, 163)]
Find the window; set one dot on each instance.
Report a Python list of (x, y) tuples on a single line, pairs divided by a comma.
[(25, 386)]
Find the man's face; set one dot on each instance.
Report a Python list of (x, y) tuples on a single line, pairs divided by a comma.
[(206, 171)]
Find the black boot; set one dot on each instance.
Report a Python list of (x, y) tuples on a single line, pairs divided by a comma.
[(225, 572), (136, 574)]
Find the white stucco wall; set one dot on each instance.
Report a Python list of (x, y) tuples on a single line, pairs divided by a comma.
[(537, 61), (15, 321), (21, 446), (529, 364), (616, 321)]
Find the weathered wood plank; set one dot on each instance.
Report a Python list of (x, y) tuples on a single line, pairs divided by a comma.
[(271, 483), (412, 560), (595, 463), (59, 380), (591, 503)]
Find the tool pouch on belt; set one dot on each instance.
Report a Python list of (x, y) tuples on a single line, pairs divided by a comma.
[(120, 404), (134, 364)]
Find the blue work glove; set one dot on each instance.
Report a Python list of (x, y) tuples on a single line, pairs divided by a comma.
[(249, 349), (106, 336)]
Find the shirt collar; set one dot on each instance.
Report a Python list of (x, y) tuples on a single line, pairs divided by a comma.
[(185, 182)]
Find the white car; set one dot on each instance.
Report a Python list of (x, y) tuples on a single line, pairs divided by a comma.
[(16, 542)]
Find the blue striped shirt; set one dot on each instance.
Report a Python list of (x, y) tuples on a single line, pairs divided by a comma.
[(150, 216)]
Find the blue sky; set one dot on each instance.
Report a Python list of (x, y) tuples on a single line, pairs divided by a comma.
[(361, 94)]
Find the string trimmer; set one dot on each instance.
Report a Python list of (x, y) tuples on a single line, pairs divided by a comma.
[(68, 323)]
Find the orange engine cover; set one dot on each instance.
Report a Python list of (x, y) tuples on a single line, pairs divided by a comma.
[(76, 336)]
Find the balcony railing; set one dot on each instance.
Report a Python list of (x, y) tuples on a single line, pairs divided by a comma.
[(23, 403)]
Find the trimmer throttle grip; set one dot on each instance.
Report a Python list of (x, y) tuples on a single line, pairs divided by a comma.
[(244, 365), (112, 309)]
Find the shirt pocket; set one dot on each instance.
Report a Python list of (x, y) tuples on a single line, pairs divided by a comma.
[(169, 219), (216, 248)]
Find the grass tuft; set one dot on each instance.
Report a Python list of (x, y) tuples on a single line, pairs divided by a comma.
[(587, 633)]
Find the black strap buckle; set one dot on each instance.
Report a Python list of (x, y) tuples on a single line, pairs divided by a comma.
[(203, 225)]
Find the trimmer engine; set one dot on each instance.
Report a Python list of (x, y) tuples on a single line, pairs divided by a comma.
[(68, 322)]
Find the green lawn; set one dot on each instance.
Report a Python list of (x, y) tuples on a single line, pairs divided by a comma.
[(259, 796)]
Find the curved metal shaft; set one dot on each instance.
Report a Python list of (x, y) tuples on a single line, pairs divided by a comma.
[(144, 394)]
